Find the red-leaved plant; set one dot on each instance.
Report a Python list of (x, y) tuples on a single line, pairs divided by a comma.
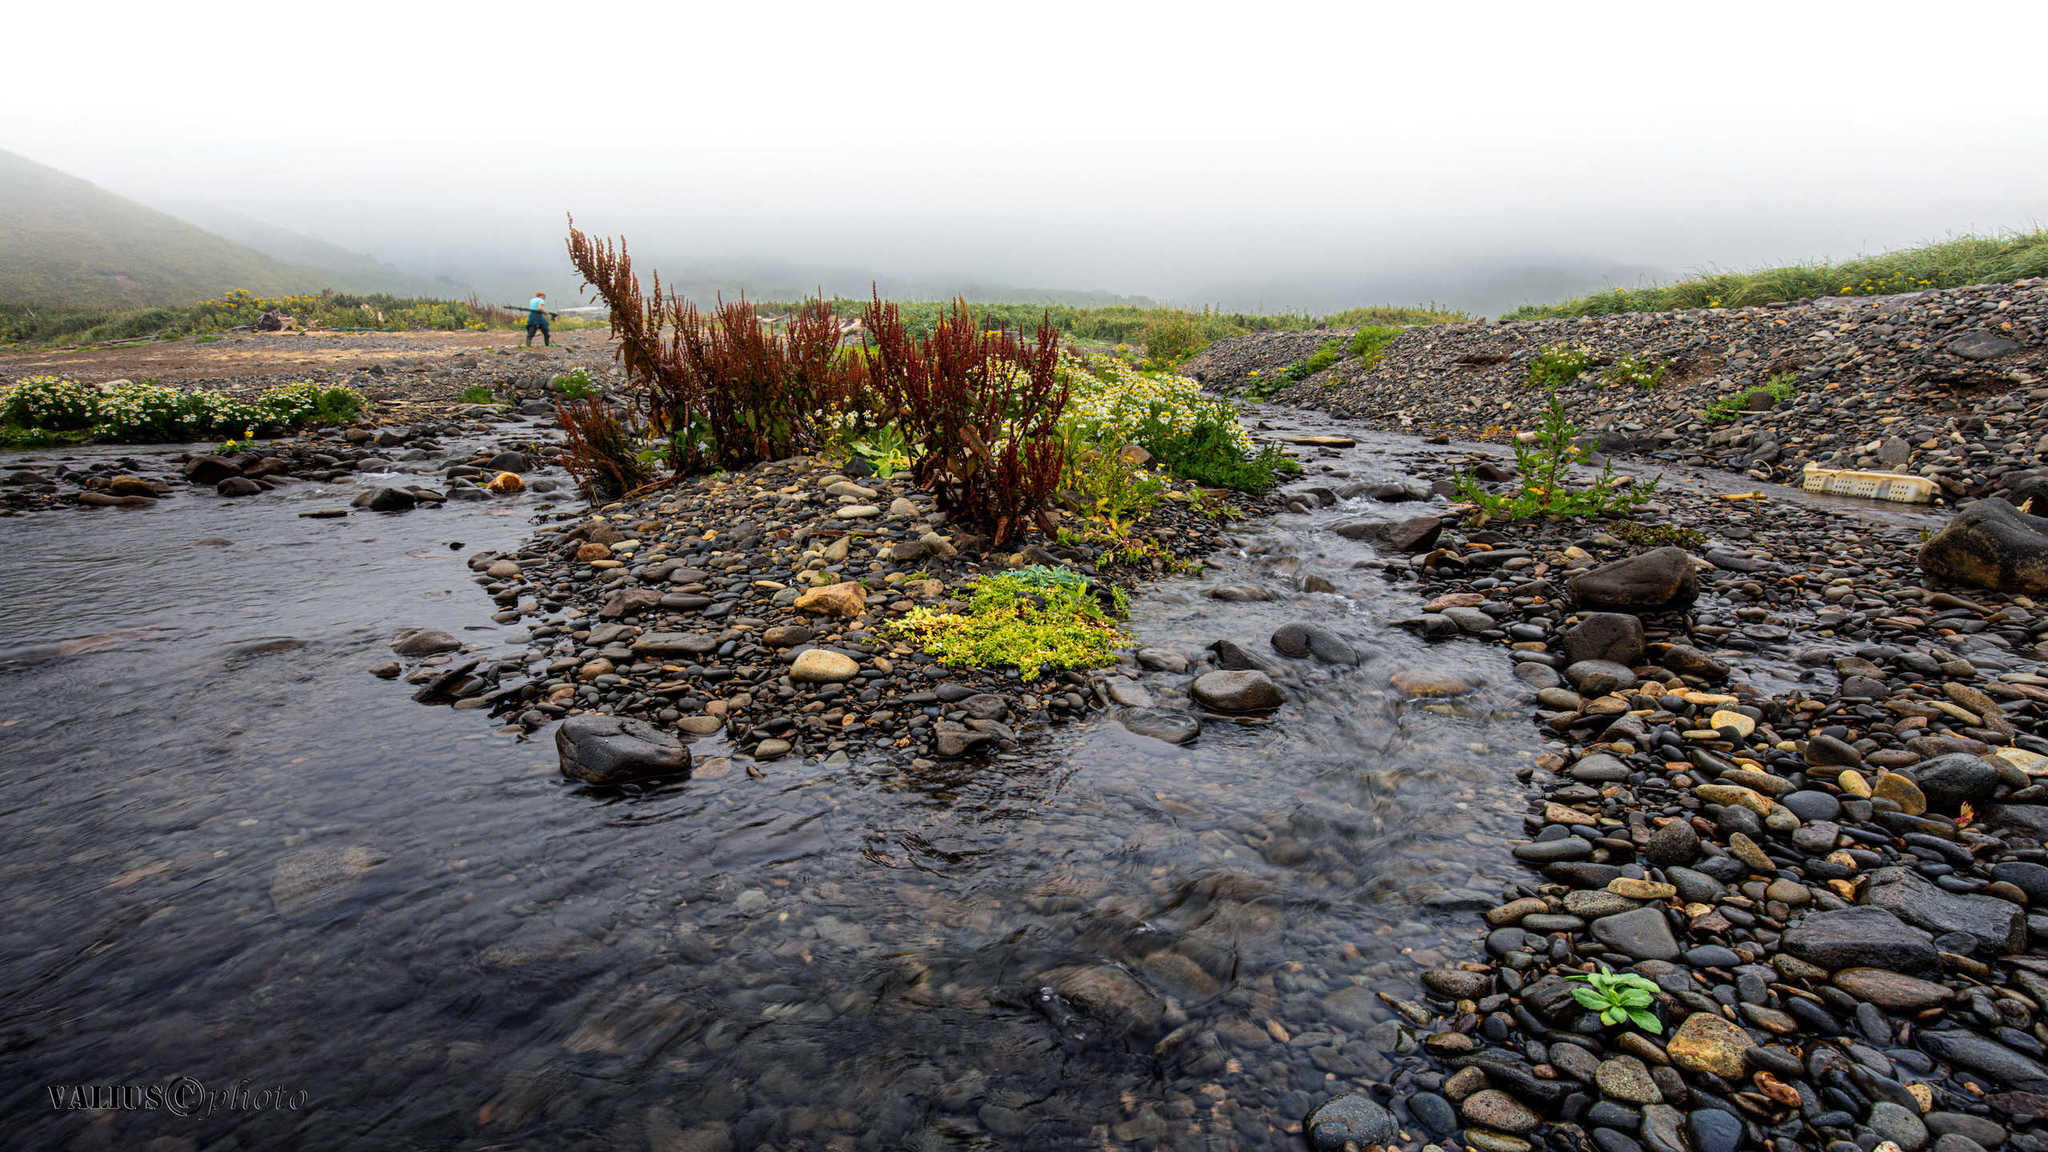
[(983, 406), (722, 390)]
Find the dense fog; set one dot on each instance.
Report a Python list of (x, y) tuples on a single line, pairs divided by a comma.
[(1283, 157)]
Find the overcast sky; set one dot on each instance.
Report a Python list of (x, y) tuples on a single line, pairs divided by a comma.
[(1268, 154)]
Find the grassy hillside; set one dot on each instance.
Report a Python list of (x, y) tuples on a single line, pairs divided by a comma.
[(1950, 264), (65, 241)]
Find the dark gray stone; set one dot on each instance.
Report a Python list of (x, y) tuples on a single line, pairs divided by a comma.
[(1643, 934), (1353, 1118), (1240, 691), (1998, 926), (1956, 779), (1861, 937), (1990, 544), (1612, 636), (1659, 580), (607, 750)]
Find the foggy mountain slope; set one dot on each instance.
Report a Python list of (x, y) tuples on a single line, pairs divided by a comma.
[(338, 267), (66, 241)]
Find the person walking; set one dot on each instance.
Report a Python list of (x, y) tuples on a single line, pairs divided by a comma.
[(537, 320)]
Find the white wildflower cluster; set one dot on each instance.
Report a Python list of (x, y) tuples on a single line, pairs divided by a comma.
[(1109, 393), (48, 402), (152, 411)]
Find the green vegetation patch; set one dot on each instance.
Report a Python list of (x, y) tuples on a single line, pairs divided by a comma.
[(1543, 467), (1727, 408), (1949, 264), (1030, 619)]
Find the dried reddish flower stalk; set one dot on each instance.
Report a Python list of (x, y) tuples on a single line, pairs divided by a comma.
[(983, 405), (723, 390)]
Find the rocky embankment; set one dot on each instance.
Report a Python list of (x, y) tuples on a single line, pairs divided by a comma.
[(1950, 384), (58, 478), (1797, 786), (753, 608)]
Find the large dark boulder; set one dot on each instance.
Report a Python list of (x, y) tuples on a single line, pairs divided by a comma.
[(608, 750), (1416, 534), (1951, 781), (209, 469), (1997, 926), (1242, 691), (1660, 580), (1610, 636), (1861, 937), (1990, 544)]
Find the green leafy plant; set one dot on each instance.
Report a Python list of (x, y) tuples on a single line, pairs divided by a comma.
[(1032, 618), (478, 394), (1543, 467), (886, 448), (1633, 369), (1618, 997), (1557, 365), (1779, 388), (1103, 481), (1321, 358), (1370, 343), (1210, 452), (575, 384)]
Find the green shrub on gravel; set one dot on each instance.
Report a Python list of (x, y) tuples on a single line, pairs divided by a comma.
[(1727, 408), (1543, 469), (1370, 343), (1557, 365), (1633, 369), (1022, 619)]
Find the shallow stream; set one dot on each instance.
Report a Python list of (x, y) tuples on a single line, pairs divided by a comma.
[(228, 852)]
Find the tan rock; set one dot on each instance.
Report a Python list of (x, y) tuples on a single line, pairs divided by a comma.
[(1901, 791), (1729, 718), (1707, 1043), (593, 551), (1853, 783), (843, 599), (506, 482), (823, 666), (1641, 889), (1729, 794)]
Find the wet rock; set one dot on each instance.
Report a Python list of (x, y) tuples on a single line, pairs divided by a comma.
[(1990, 544), (1624, 1078), (1643, 934), (1861, 937), (209, 470), (1353, 1119), (237, 486), (1659, 580), (1240, 691), (1890, 990), (1613, 637), (1988, 1058), (609, 750), (1172, 727), (424, 642), (1299, 640), (1416, 534), (1948, 782), (1110, 995), (675, 644), (1673, 845), (387, 500), (1493, 1108), (313, 879), (1998, 926)]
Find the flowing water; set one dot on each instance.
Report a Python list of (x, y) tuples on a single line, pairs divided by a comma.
[(230, 854)]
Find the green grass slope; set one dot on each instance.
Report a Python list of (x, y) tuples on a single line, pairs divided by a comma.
[(1949, 264), (65, 241)]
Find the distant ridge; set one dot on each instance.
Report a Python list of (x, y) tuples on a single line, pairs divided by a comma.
[(65, 241)]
